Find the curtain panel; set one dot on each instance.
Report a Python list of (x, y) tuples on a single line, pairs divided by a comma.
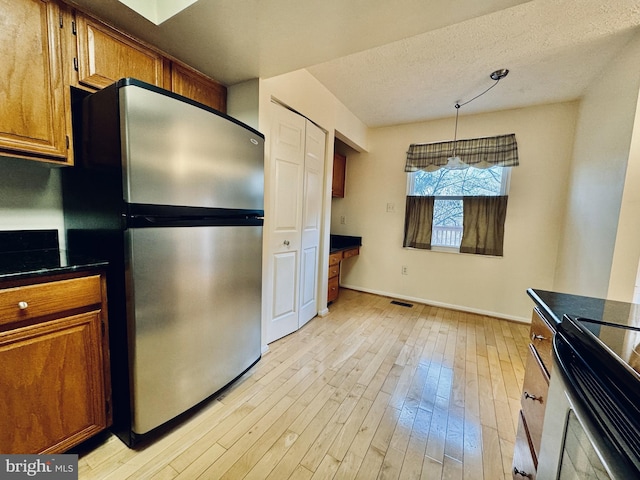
[(418, 218), (483, 225), (486, 152)]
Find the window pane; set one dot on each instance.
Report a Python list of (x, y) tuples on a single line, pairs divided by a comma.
[(468, 181), (447, 223)]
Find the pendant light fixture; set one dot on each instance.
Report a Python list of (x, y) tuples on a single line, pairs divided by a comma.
[(454, 162)]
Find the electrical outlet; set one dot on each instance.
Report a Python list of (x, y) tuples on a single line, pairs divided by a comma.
[(391, 207), (405, 270), (343, 220)]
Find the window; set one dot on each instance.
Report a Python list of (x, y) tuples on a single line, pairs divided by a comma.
[(448, 186)]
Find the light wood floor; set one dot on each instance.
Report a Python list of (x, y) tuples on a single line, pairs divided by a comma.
[(373, 390)]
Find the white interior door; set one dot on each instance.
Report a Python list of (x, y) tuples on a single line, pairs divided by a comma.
[(286, 177), (311, 217)]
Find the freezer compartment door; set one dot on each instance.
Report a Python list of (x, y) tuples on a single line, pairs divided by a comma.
[(175, 153), (194, 315)]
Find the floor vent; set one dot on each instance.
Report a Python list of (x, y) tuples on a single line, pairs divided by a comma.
[(402, 304)]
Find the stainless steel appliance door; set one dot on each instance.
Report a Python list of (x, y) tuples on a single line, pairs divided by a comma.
[(573, 446), (194, 315), (175, 153)]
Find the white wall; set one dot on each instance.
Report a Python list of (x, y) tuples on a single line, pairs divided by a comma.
[(600, 242), (491, 285), (30, 197)]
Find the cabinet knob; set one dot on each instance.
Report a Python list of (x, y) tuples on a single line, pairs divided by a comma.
[(23, 305), (538, 337), (286, 243), (522, 473)]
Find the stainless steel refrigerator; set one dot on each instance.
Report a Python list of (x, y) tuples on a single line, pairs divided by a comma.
[(171, 193)]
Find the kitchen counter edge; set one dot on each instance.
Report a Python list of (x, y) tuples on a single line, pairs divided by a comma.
[(553, 305)]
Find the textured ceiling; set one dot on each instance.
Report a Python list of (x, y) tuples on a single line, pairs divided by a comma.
[(399, 61)]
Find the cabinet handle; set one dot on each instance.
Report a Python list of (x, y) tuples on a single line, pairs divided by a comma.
[(538, 337), (535, 398), (522, 473), (23, 305)]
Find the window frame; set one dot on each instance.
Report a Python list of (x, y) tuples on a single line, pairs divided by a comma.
[(505, 186)]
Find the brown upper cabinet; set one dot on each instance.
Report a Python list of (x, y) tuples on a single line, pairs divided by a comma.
[(106, 55), (46, 46), (34, 121), (339, 175), (192, 84)]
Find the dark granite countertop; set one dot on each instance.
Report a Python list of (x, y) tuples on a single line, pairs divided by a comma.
[(343, 242), (33, 253), (554, 305)]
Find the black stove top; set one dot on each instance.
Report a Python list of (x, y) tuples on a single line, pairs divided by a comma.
[(620, 340)]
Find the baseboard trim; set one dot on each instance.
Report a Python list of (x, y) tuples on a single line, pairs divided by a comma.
[(433, 303)]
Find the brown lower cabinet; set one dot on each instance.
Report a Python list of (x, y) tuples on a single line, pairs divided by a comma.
[(334, 271), (54, 363), (533, 399)]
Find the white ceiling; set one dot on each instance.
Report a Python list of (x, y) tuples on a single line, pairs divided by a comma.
[(399, 61)]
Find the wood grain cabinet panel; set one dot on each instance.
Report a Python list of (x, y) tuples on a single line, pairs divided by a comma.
[(54, 359), (192, 84), (33, 123), (335, 258), (106, 55), (541, 337), (534, 398), (334, 271), (33, 301), (339, 175), (524, 465)]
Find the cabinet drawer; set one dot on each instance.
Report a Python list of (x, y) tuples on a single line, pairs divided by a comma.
[(534, 397), (541, 336), (334, 270), (351, 253), (32, 301), (334, 287), (335, 258), (524, 463)]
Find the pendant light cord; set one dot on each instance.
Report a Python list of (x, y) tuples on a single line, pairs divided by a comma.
[(455, 132), (458, 105)]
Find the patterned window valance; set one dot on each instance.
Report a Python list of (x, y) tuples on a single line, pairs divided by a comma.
[(475, 152)]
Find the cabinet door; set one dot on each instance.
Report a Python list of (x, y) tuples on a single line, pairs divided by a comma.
[(193, 85), (53, 389), (339, 175), (34, 118), (105, 56)]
